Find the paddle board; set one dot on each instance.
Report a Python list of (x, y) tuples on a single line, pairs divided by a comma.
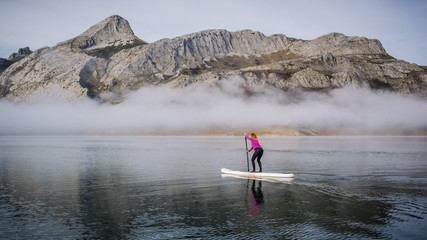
[(257, 174)]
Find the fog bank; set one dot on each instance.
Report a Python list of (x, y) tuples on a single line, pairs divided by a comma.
[(225, 105)]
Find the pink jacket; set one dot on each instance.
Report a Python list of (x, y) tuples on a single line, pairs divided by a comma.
[(255, 143)]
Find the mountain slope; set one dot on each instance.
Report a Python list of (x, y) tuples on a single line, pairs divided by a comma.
[(111, 31), (107, 61)]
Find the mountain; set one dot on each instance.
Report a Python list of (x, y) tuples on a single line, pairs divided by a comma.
[(113, 31), (22, 53), (108, 61), (14, 57)]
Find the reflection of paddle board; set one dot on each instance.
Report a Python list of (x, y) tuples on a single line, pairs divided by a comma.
[(257, 174)]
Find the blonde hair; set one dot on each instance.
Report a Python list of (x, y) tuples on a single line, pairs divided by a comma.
[(253, 135)]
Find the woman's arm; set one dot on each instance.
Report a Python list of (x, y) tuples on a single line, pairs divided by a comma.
[(248, 137)]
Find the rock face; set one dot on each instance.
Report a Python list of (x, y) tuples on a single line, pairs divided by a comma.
[(112, 31), (14, 57), (22, 52), (108, 60), (62, 71)]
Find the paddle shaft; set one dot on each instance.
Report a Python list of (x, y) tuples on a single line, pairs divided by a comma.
[(247, 154)]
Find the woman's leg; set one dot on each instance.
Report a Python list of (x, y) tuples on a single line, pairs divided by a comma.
[(257, 155), (253, 161), (261, 152)]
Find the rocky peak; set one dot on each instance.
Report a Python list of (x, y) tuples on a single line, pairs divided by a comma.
[(22, 52), (113, 30), (332, 38), (169, 56), (339, 44)]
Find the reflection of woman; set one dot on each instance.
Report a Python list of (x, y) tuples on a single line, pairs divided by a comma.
[(258, 151), (257, 198), (257, 193)]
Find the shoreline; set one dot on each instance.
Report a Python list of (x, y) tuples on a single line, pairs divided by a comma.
[(302, 132), (266, 132)]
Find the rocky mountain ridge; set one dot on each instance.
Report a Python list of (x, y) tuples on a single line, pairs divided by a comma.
[(14, 57), (22, 53), (108, 61)]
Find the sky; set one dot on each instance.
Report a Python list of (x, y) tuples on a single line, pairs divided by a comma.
[(399, 25)]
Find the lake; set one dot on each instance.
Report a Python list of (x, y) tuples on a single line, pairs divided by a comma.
[(140, 187)]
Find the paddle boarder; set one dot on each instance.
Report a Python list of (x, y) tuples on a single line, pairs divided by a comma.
[(258, 151)]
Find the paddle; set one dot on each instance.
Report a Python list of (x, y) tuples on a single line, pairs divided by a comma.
[(247, 154)]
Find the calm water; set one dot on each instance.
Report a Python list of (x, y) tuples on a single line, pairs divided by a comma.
[(171, 188)]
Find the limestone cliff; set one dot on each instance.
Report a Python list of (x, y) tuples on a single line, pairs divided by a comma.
[(22, 53), (14, 57), (108, 60), (65, 70)]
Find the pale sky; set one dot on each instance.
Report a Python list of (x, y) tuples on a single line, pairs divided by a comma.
[(399, 25)]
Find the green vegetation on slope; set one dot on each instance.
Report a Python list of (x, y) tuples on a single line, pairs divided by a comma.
[(109, 51)]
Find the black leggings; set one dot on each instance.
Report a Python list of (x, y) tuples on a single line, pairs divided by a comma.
[(257, 155)]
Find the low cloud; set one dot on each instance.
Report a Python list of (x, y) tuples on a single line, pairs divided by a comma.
[(225, 105)]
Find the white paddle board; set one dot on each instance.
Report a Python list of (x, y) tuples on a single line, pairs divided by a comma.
[(257, 174)]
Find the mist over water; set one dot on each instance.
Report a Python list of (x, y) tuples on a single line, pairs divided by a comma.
[(225, 105)]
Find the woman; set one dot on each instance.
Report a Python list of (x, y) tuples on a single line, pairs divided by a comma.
[(258, 151)]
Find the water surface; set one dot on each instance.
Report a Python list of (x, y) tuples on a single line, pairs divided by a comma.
[(171, 187)]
